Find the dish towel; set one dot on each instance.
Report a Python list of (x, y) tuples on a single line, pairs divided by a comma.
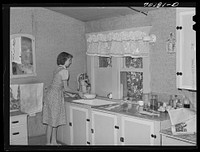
[(14, 90), (31, 96)]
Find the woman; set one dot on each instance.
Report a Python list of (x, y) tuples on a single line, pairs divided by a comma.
[(54, 109)]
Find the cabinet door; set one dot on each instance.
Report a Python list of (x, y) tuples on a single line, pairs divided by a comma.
[(137, 132), (63, 132), (79, 125), (104, 128), (186, 49)]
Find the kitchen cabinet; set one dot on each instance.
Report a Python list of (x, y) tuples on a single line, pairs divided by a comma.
[(95, 126), (186, 49), (169, 141), (104, 128), (136, 131), (116, 129), (79, 125), (18, 129)]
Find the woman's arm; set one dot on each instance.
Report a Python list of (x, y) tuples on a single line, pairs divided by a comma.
[(71, 91)]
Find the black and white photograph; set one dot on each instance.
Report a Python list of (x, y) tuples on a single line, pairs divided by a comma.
[(95, 76)]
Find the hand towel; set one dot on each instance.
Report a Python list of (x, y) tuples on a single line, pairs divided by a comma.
[(31, 96), (14, 90)]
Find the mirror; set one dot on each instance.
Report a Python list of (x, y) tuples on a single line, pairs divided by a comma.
[(22, 55)]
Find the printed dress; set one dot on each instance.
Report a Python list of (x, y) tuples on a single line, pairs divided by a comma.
[(54, 108)]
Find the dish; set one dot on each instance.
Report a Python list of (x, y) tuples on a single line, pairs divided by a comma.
[(89, 96)]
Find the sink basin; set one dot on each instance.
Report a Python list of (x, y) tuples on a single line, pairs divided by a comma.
[(94, 102)]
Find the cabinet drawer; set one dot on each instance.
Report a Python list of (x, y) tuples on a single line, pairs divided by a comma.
[(18, 121), (18, 132), (167, 141), (20, 141)]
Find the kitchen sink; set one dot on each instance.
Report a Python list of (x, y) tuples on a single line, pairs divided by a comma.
[(94, 102)]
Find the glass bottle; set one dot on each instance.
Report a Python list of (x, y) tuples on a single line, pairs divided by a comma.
[(175, 101), (186, 102), (171, 100)]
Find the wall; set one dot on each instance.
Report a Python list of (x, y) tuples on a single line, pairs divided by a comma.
[(162, 64), (53, 33)]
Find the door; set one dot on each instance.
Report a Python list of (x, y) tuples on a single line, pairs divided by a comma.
[(186, 49), (79, 125), (104, 128), (137, 132)]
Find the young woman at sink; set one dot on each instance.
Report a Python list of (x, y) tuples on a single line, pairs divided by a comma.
[(54, 109)]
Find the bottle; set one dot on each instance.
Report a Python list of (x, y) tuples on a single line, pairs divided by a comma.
[(175, 101), (171, 100), (186, 102)]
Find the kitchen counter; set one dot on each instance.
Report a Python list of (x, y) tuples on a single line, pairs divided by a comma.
[(132, 111), (123, 110), (15, 113), (184, 137)]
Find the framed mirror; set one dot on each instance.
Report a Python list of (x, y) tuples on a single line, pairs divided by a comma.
[(22, 55)]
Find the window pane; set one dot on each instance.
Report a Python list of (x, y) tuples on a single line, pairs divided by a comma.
[(132, 85), (133, 62), (105, 62)]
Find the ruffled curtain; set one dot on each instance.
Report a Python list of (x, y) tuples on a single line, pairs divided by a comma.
[(127, 42)]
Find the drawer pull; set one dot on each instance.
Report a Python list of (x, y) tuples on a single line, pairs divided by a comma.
[(153, 136), (15, 122), (15, 133), (121, 139)]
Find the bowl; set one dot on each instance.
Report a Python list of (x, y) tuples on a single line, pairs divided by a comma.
[(89, 96), (140, 103)]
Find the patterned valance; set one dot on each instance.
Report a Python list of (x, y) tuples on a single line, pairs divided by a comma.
[(126, 42)]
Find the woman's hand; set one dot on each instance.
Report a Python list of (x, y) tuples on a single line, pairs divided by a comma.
[(81, 94)]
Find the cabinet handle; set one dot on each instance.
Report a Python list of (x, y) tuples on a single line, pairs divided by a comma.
[(179, 27), (87, 119), (179, 73), (88, 142), (70, 124), (153, 136), (92, 131), (122, 139), (15, 133), (13, 122), (116, 127)]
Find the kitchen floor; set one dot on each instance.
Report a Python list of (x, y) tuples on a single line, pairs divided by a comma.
[(38, 140)]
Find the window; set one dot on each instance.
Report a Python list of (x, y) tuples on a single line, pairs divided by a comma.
[(134, 78), (105, 62)]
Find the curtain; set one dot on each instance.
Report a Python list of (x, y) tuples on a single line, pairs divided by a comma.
[(127, 42)]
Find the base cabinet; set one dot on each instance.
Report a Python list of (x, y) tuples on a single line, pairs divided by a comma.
[(168, 141), (104, 128), (79, 125), (89, 126), (111, 129), (139, 132), (18, 130)]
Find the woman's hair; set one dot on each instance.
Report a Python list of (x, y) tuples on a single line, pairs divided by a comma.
[(62, 57)]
